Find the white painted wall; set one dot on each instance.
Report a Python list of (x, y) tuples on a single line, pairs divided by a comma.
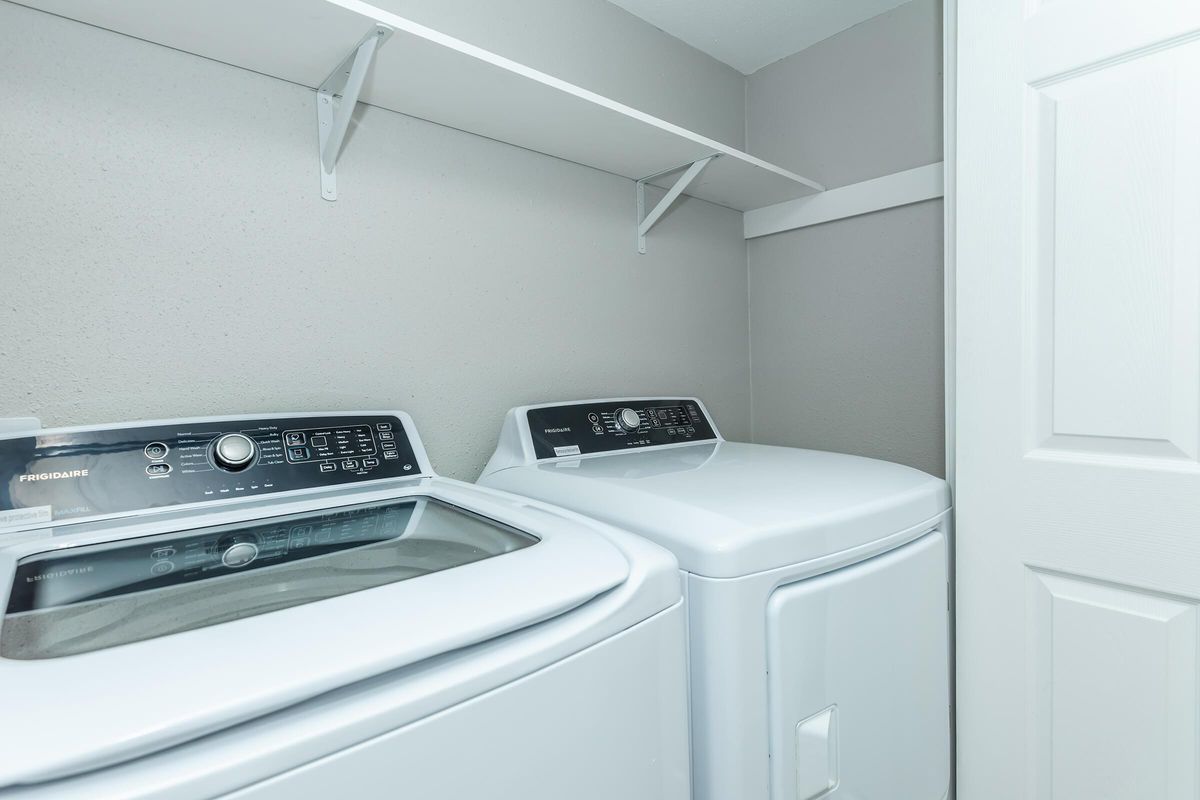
[(846, 317), (164, 251)]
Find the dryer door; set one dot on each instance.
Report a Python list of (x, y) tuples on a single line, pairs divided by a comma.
[(858, 665)]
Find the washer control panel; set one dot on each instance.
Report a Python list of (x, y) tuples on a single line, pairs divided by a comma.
[(86, 472), (583, 428)]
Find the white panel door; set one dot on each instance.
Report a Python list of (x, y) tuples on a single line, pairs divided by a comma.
[(1078, 429)]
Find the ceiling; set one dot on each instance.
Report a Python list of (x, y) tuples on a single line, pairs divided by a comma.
[(749, 34)]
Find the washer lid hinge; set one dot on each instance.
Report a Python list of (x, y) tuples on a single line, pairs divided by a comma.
[(333, 115), (647, 221)]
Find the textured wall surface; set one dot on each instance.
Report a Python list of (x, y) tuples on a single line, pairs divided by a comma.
[(846, 317), (596, 45), (864, 103), (164, 251), (846, 336)]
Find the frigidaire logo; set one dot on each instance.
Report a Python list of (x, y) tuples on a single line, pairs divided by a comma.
[(62, 573), (53, 476), (558, 430)]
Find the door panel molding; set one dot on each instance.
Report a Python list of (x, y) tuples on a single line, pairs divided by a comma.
[(1112, 263), (1112, 681)]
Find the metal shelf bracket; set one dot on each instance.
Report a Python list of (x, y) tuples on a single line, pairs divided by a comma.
[(336, 98), (647, 221)]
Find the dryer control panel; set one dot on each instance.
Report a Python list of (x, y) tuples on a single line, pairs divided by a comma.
[(605, 425), (74, 473)]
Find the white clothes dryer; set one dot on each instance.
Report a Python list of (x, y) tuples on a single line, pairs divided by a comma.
[(294, 606), (816, 586)]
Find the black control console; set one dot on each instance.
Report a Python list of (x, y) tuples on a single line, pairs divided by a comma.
[(98, 471), (583, 428)]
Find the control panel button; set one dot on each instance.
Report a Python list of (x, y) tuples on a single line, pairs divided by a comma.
[(597, 429), (383, 426), (387, 435), (162, 567), (319, 441), (158, 469), (370, 462), (155, 451), (327, 466), (350, 463), (298, 453), (628, 419), (389, 445), (391, 455), (594, 418), (240, 554), (293, 438), (233, 451)]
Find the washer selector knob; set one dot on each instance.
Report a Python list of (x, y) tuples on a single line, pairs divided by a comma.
[(239, 555), (234, 451), (628, 419)]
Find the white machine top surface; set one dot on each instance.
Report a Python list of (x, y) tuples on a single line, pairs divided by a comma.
[(268, 601), (724, 508)]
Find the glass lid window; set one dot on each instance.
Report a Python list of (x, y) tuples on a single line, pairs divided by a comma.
[(87, 598)]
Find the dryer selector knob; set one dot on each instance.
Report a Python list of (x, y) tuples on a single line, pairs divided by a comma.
[(234, 451), (628, 419)]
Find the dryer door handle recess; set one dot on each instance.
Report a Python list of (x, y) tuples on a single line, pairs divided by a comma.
[(816, 754)]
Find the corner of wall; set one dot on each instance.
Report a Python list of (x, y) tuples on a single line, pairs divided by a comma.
[(750, 348)]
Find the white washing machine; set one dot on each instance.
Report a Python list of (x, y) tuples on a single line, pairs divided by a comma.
[(295, 606), (816, 585)]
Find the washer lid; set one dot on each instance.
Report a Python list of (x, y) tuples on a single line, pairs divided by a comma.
[(95, 596), (116, 656), (728, 509)]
